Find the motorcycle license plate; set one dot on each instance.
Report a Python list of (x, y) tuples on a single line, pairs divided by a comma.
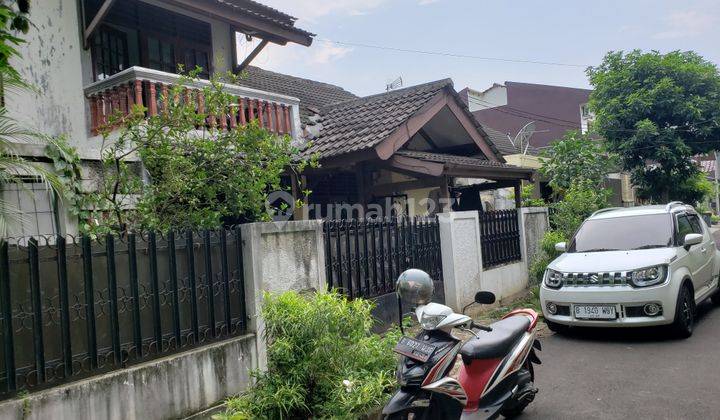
[(415, 349), (595, 312)]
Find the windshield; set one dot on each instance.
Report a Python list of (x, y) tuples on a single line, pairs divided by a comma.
[(623, 233)]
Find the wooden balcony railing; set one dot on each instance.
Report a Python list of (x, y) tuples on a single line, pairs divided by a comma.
[(138, 85)]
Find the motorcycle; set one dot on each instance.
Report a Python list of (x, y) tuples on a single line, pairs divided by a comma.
[(496, 376)]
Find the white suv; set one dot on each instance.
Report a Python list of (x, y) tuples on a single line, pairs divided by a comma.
[(636, 266)]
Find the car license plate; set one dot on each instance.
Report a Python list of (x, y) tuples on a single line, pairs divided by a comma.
[(595, 312), (415, 349)]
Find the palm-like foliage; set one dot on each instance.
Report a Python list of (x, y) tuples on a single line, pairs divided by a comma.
[(16, 169)]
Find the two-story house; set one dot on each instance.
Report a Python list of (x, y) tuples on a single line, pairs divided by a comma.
[(91, 58)]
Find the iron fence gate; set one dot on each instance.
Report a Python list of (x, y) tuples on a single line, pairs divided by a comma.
[(72, 308), (363, 258), (500, 237)]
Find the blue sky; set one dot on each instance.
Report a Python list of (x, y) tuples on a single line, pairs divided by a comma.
[(574, 32)]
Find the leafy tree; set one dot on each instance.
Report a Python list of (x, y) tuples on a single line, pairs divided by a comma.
[(579, 202), (657, 111), (193, 174), (576, 158)]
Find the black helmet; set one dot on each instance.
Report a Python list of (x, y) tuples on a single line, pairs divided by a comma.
[(415, 286)]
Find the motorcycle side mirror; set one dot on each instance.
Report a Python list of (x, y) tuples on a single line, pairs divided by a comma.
[(485, 298)]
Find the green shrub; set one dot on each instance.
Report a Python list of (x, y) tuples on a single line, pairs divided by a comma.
[(545, 254), (526, 197), (578, 203), (323, 360)]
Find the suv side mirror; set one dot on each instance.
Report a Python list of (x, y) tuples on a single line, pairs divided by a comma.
[(485, 298), (561, 246), (692, 239)]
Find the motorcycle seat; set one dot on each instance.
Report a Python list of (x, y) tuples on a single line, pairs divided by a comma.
[(498, 342)]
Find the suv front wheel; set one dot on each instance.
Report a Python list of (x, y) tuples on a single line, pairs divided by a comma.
[(684, 313)]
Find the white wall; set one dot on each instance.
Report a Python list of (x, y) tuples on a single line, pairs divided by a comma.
[(52, 61), (461, 247), (491, 98), (278, 257)]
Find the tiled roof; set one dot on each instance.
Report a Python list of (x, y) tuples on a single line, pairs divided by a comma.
[(363, 123), (260, 11), (312, 94), (503, 143), (453, 159)]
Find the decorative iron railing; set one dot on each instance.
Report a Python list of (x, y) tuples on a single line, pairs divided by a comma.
[(364, 257), (500, 237), (72, 308), (138, 85)]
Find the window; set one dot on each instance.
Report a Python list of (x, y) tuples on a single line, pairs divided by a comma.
[(110, 52), (197, 58), (161, 55), (624, 233), (695, 223), (683, 228), (32, 206)]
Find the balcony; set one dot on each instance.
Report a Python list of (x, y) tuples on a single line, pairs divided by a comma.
[(138, 85)]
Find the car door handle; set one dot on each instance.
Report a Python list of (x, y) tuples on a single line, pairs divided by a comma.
[(703, 250)]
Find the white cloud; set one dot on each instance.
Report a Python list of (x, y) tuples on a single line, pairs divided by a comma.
[(688, 23), (283, 58), (424, 2)]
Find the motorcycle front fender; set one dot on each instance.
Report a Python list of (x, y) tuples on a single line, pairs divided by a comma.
[(404, 401)]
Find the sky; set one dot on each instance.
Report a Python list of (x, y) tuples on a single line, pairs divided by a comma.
[(578, 33)]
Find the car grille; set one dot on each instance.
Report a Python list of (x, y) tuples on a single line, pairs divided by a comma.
[(618, 278)]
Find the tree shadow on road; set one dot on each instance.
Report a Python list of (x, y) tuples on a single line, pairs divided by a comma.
[(635, 335)]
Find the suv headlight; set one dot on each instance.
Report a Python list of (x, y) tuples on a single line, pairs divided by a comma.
[(430, 322), (648, 276), (553, 279)]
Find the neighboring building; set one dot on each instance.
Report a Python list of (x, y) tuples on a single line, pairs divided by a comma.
[(510, 106), (90, 58), (553, 110)]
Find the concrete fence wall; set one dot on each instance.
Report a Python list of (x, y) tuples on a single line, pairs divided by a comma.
[(534, 223), (276, 257), (463, 270)]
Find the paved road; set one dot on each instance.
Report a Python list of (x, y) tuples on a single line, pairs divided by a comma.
[(638, 374)]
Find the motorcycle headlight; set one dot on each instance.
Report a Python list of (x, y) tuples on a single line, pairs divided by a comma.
[(430, 322), (648, 276), (553, 279)]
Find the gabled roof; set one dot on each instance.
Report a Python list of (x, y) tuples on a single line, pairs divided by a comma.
[(312, 94), (453, 159), (364, 122), (348, 123)]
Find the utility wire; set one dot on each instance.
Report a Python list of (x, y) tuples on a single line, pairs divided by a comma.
[(446, 54)]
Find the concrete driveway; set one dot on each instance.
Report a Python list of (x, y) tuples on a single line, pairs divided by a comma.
[(638, 374)]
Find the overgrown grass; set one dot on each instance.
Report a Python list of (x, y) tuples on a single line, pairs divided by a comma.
[(323, 361), (532, 300)]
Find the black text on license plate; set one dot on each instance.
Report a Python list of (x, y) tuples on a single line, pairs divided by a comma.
[(595, 312), (415, 349)]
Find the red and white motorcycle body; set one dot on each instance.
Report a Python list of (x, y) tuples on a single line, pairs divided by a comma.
[(496, 376)]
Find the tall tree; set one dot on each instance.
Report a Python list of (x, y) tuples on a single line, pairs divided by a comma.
[(657, 111)]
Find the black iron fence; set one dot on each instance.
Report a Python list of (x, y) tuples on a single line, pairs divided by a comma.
[(71, 308), (364, 258), (500, 237)]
